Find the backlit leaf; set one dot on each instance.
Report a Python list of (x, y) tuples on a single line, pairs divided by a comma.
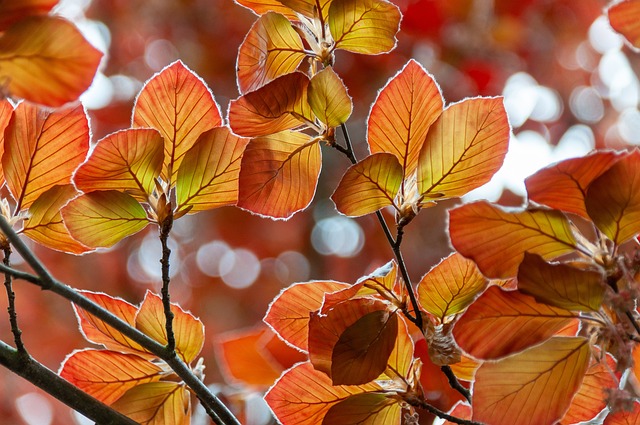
[(6, 111), (45, 59), (482, 232), (449, 287), (365, 409), (560, 285), (208, 175), (279, 174), (277, 106), (461, 410), (465, 369), (501, 322), (107, 375), (531, 388), (13, 11), (353, 341), (178, 104), (369, 185), (103, 218), (271, 48), (329, 99), (613, 199), (563, 186), (624, 17), (188, 330), (260, 7), (623, 417), (364, 26), (45, 221), (128, 160), (464, 148), (433, 381), (401, 358), (402, 114), (42, 148), (288, 313), (309, 8), (303, 395), (156, 403)]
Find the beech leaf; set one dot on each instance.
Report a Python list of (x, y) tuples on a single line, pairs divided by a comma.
[(13, 11), (365, 409), (260, 7), (329, 99), (624, 17), (623, 417), (309, 8), (401, 359), (156, 403), (6, 111)]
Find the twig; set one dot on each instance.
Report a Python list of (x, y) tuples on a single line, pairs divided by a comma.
[(419, 402), (165, 229), (454, 383), (407, 280), (11, 297)]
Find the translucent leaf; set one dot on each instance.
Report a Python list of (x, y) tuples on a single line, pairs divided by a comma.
[(288, 313), (208, 175), (401, 359), (188, 330), (623, 417), (13, 11), (369, 185), (178, 104), (260, 7), (501, 322), (402, 114), (6, 111), (449, 287), (128, 160), (464, 148), (461, 410), (365, 409), (156, 403), (45, 59), (45, 224), (107, 375), (309, 8), (303, 395), (465, 369), (329, 99), (352, 342), (364, 26), (277, 106), (42, 148), (624, 17), (271, 48), (613, 199), (563, 185), (481, 231), (103, 218), (533, 387), (561, 285), (279, 174)]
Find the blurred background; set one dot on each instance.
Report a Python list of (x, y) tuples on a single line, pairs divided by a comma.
[(569, 82)]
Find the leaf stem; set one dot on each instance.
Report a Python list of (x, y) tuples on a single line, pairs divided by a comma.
[(11, 297), (165, 229)]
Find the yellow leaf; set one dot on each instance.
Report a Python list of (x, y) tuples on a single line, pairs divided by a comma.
[(156, 403), (329, 99)]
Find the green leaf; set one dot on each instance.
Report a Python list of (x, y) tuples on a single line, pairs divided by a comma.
[(329, 99)]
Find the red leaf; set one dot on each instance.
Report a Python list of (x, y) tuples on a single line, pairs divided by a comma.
[(624, 17), (624, 417), (261, 7), (6, 111), (13, 11)]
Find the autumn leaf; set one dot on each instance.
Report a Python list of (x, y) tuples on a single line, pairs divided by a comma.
[(309, 8), (103, 218), (13, 11), (6, 111), (260, 7), (364, 26), (270, 49), (501, 322), (288, 313), (624, 17), (209, 172), (45, 59), (178, 104), (156, 403), (460, 410), (365, 409), (433, 381), (401, 358), (369, 185), (128, 161), (623, 417), (613, 199), (279, 174), (481, 231), (533, 387), (329, 99), (465, 369), (464, 148), (42, 148)]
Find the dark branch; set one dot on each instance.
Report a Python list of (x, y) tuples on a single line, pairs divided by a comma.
[(407, 280), (419, 402), (11, 298), (165, 229), (454, 383)]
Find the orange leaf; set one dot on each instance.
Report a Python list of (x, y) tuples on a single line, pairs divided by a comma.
[(288, 313), (303, 395), (560, 285), (277, 106), (156, 403), (364, 26), (531, 388), (178, 104), (128, 160), (461, 410), (613, 199), (42, 148), (261, 7), (625, 18), (496, 240), (279, 174), (501, 322), (188, 330), (45, 224), (449, 287), (402, 114), (107, 375), (365, 409), (369, 185), (103, 218), (13, 11), (208, 175), (271, 48), (401, 359), (624, 417), (329, 99), (45, 59), (466, 368), (6, 111), (464, 148), (309, 8), (353, 341), (563, 185), (433, 381)]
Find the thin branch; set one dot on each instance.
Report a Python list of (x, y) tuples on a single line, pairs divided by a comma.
[(165, 229), (407, 280), (454, 383), (419, 402), (11, 297)]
